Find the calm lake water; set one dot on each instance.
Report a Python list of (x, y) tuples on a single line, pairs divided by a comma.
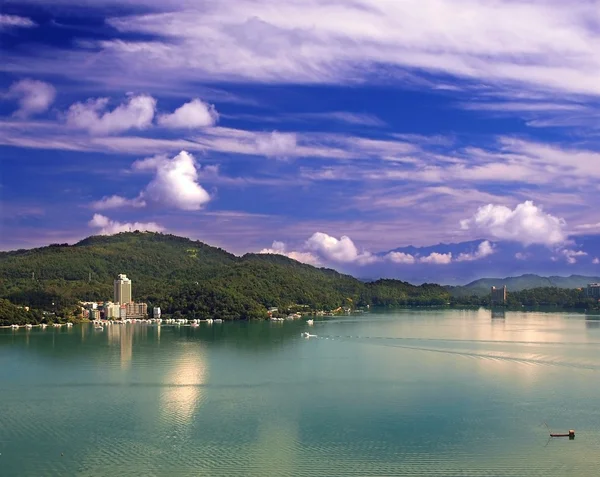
[(444, 393)]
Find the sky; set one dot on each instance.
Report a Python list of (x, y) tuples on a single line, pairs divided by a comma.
[(330, 131)]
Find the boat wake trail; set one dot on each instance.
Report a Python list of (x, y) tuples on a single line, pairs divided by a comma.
[(529, 359)]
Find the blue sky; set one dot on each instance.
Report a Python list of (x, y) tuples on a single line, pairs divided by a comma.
[(331, 131)]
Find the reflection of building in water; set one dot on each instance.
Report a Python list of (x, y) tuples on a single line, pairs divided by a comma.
[(126, 346), (498, 314), (498, 296), (593, 290), (121, 336)]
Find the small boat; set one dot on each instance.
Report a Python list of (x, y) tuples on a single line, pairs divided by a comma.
[(570, 434), (310, 322), (69, 325), (28, 326), (218, 320), (14, 327), (306, 334), (43, 325)]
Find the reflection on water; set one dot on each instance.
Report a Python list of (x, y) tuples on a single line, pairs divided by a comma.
[(182, 390), (439, 392), (498, 313)]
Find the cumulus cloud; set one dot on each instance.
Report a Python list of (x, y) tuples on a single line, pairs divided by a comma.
[(136, 113), (279, 248), (33, 96), (437, 258), (571, 255), (527, 224), (484, 249), (107, 226), (11, 21), (175, 185), (323, 248), (401, 257), (340, 250), (116, 202), (277, 145), (195, 114)]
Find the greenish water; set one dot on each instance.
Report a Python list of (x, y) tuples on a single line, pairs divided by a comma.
[(444, 393)]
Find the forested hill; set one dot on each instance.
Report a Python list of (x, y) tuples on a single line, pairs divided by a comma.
[(189, 277)]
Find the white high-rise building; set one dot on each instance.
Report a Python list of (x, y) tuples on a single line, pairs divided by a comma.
[(122, 290)]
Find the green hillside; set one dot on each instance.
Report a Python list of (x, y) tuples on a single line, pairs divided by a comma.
[(524, 282), (188, 277)]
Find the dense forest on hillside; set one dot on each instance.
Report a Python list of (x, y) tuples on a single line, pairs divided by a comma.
[(189, 278)]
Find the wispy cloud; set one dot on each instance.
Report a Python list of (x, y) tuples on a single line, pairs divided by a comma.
[(15, 21), (33, 96)]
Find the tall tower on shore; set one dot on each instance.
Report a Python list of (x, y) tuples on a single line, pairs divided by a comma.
[(122, 290), (498, 296)]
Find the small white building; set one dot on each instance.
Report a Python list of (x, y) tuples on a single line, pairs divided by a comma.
[(156, 312)]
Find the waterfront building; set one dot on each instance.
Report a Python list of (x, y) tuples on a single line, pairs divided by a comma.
[(593, 290), (498, 295), (136, 310), (122, 289), (94, 314), (156, 312), (111, 311)]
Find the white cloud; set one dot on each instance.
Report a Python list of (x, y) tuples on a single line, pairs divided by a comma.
[(279, 248), (175, 183), (136, 113), (116, 202), (322, 248), (589, 226), (571, 255), (484, 249), (520, 42), (340, 250), (195, 114), (276, 144), (401, 257), (596, 261), (110, 227), (8, 21), (34, 96), (521, 256), (527, 224), (437, 258)]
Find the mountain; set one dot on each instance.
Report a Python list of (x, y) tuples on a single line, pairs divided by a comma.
[(189, 277), (580, 256), (524, 282)]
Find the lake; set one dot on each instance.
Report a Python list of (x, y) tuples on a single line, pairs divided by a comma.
[(420, 393)]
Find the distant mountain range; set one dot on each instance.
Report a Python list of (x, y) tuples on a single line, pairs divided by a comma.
[(580, 257), (523, 282)]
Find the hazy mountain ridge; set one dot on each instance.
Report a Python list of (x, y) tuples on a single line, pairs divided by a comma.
[(523, 282)]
